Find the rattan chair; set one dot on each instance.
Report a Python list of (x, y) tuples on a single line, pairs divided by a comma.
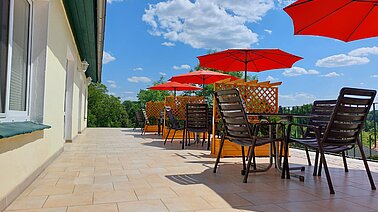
[(196, 121), (341, 133), (239, 131)]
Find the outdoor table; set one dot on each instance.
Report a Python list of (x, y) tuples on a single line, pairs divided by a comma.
[(284, 118)]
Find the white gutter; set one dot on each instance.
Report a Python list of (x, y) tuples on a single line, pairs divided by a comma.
[(101, 14)]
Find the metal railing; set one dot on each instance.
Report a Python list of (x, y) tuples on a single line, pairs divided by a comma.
[(368, 136)]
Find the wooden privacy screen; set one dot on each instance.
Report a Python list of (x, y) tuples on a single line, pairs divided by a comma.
[(153, 109), (178, 104), (259, 97)]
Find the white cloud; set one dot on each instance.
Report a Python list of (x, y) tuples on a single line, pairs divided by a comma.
[(333, 74), (107, 58), (374, 76), (268, 31), (111, 93), (297, 71), (182, 67), (296, 99), (270, 78), (138, 69), (284, 3), (162, 73), (169, 44), (365, 51), (128, 92), (112, 1), (341, 60), (139, 79), (112, 83), (209, 24)]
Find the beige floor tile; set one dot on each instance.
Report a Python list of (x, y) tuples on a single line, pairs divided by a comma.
[(93, 188), (94, 208), (143, 205), (68, 200), (52, 190), (186, 203), (226, 200), (108, 179), (61, 209), (154, 193), (114, 196), (32, 202)]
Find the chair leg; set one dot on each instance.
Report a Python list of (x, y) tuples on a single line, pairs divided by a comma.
[(203, 138), (251, 154), (285, 167), (183, 139), (345, 162), (316, 163), (174, 133), (166, 137), (320, 166), (208, 140), (188, 144), (254, 160), (366, 165), (243, 159), (308, 156), (219, 154), (328, 176)]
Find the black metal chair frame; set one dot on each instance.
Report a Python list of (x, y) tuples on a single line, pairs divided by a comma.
[(197, 116), (341, 133), (140, 119), (174, 124), (239, 131)]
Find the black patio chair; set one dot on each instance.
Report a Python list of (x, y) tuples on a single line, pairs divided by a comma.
[(146, 120), (341, 133), (239, 131), (210, 127), (320, 116), (140, 120), (173, 124), (196, 120)]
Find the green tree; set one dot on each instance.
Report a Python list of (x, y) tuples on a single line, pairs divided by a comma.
[(105, 110)]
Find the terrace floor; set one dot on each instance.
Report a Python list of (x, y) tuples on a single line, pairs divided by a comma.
[(119, 170)]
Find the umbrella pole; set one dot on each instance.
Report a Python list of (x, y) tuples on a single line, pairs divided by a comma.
[(174, 92), (245, 71)]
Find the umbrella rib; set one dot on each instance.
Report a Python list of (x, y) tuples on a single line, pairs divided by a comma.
[(374, 5), (222, 57), (315, 22)]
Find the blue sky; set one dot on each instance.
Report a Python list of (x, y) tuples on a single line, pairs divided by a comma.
[(147, 39)]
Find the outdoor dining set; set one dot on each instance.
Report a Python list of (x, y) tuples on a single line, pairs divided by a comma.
[(242, 110)]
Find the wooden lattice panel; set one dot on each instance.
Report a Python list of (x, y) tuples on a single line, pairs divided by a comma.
[(153, 109), (178, 104), (258, 97)]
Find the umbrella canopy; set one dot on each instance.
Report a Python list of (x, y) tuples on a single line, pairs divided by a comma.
[(252, 60), (174, 86), (346, 20), (201, 77)]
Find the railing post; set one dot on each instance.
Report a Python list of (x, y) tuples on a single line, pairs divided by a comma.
[(375, 126)]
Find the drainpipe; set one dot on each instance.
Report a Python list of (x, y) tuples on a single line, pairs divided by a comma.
[(101, 14)]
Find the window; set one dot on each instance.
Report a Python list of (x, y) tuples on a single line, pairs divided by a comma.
[(4, 20), (20, 53), (15, 19)]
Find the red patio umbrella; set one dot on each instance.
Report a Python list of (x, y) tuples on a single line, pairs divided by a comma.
[(252, 60), (201, 77), (346, 20), (174, 86)]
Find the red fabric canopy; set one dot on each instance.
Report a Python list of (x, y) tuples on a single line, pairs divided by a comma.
[(174, 86), (346, 20), (201, 77), (253, 60)]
